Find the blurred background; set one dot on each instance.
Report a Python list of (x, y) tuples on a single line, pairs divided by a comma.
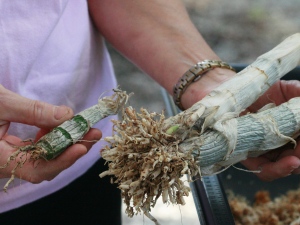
[(238, 31)]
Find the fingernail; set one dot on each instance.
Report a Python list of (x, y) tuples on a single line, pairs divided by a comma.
[(60, 112)]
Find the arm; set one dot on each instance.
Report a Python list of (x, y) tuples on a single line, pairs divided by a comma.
[(159, 38)]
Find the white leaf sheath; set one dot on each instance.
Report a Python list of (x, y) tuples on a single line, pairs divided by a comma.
[(71, 131), (233, 140), (241, 91), (148, 154)]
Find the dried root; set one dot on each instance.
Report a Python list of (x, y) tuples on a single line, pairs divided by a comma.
[(70, 132), (281, 210), (21, 156), (149, 154), (146, 162)]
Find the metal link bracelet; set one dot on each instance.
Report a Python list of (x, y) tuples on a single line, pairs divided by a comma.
[(194, 74)]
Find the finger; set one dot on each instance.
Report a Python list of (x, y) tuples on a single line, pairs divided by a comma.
[(91, 138), (74, 152), (67, 159), (88, 140), (47, 170), (273, 170), (13, 140), (279, 93), (272, 95), (40, 170), (290, 89), (16, 108), (36, 172)]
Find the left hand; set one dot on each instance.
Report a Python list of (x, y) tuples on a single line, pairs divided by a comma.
[(40, 170), (285, 160), (16, 108)]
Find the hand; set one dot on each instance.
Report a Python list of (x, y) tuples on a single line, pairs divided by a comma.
[(285, 160), (277, 163), (15, 108)]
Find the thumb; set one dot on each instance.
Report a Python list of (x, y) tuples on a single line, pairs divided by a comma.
[(15, 108)]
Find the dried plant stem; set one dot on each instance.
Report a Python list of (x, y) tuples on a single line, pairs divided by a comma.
[(149, 154), (230, 141), (146, 162), (235, 95), (71, 131)]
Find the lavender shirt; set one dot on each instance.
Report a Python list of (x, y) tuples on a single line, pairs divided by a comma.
[(49, 50)]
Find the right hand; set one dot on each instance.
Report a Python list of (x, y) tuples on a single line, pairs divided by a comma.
[(15, 108)]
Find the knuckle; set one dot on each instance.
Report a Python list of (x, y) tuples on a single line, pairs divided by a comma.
[(37, 110), (38, 179)]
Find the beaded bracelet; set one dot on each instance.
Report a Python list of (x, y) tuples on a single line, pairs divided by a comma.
[(194, 74)]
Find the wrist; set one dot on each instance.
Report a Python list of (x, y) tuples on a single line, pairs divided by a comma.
[(208, 82), (199, 80)]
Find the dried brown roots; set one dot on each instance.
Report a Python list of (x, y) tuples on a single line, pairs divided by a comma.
[(282, 210), (146, 163), (21, 156)]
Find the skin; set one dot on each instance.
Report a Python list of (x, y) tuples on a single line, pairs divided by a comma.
[(159, 38), (285, 160), (15, 108)]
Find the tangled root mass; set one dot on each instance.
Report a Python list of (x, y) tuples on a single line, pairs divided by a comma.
[(146, 163)]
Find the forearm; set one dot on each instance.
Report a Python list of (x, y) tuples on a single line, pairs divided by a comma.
[(159, 37)]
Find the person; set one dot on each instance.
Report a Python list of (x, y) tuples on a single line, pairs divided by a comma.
[(54, 63)]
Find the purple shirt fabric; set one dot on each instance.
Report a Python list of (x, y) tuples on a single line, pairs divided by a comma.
[(50, 51)]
